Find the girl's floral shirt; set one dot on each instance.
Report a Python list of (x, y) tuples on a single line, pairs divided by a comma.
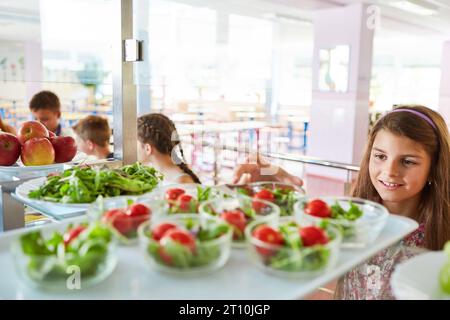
[(371, 280)]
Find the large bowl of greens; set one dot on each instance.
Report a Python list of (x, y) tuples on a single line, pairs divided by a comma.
[(282, 247), (360, 221), (185, 244), (81, 256), (80, 186)]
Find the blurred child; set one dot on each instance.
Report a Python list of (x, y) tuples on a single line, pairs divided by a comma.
[(46, 108), (92, 135), (157, 139)]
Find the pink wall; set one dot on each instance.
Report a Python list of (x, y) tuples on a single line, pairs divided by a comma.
[(444, 99), (339, 121)]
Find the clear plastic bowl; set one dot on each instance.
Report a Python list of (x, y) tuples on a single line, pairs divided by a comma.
[(65, 271), (260, 209), (282, 200), (124, 227), (284, 261), (192, 189), (206, 257), (356, 234)]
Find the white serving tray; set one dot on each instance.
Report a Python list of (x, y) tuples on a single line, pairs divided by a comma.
[(418, 277), (239, 279)]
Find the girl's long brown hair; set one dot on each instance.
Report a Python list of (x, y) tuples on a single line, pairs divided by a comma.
[(435, 201), (159, 131)]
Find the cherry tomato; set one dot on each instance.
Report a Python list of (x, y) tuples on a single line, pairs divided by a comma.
[(119, 219), (165, 256), (174, 193), (236, 218), (264, 194), (72, 234), (318, 208), (159, 231), (187, 203), (181, 236), (138, 209), (139, 213), (268, 235), (313, 235)]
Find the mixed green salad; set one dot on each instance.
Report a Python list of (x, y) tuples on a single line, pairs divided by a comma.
[(180, 201), (85, 246), (444, 275), (84, 185), (290, 247), (125, 221), (189, 245), (238, 214), (284, 196), (338, 216)]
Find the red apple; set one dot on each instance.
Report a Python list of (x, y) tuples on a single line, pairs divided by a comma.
[(9, 149), (65, 148), (37, 152), (32, 129)]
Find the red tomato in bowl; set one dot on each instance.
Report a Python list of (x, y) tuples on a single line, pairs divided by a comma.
[(73, 234), (119, 219), (138, 213), (264, 194), (187, 203), (267, 235), (312, 236), (180, 236), (235, 218), (160, 230), (318, 208), (174, 193)]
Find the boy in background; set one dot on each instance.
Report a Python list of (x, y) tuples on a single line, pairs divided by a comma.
[(92, 135), (46, 109)]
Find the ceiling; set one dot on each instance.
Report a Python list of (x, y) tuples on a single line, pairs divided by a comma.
[(19, 19)]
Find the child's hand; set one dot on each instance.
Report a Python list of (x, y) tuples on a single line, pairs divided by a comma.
[(262, 170)]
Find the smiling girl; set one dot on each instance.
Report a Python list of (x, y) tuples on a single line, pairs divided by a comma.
[(406, 167)]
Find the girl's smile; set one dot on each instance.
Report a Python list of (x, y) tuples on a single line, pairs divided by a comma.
[(391, 185)]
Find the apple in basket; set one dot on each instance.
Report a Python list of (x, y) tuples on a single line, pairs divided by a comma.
[(9, 149), (32, 129), (65, 148), (37, 152)]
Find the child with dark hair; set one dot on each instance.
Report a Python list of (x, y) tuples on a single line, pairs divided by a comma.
[(157, 139), (46, 108)]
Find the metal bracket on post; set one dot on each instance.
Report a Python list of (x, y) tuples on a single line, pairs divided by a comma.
[(132, 50), (12, 214)]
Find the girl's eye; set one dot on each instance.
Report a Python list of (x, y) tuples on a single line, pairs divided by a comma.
[(380, 156), (408, 162)]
